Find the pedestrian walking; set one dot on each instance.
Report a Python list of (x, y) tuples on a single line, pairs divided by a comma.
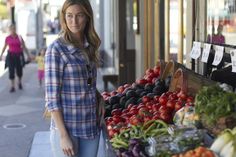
[(70, 83), (15, 56), (40, 61)]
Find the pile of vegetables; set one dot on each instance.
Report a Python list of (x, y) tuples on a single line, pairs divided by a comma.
[(198, 152), (225, 144), (212, 103)]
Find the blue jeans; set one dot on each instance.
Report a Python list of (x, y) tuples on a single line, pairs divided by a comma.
[(83, 147)]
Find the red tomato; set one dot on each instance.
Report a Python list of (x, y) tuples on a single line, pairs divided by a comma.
[(143, 112), (130, 106), (133, 111), (173, 97), (157, 70), (189, 104), (163, 100), (113, 93), (165, 109), (127, 85), (182, 95), (135, 120), (141, 81), (116, 119), (156, 98), (178, 105), (171, 104), (112, 132), (190, 99), (168, 93), (149, 105), (141, 105), (145, 99), (125, 111), (147, 118), (120, 89), (116, 112), (149, 71), (108, 120), (156, 107), (166, 117)]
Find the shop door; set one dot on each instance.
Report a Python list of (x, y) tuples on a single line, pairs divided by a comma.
[(126, 43)]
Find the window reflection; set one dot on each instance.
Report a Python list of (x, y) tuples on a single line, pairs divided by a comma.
[(221, 22)]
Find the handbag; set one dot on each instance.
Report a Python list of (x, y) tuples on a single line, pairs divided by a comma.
[(7, 60)]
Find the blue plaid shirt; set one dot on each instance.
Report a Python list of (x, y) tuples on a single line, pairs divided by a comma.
[(67, 72)]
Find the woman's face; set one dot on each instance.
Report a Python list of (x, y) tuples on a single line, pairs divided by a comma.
[(12, 29), (75, 19)]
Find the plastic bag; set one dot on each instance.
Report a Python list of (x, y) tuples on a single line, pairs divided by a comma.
[(105, 148)]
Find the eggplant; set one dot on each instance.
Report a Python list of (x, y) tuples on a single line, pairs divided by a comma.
[(131, 146), (120, 151), (127, 154), (134, 141), (136, 150), (143, 154)]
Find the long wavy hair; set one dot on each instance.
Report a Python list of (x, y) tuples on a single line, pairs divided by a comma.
[(89, 31)]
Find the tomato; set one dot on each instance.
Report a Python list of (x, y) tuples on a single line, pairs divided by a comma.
[(113, 93), (108, 120), (149, 71), (172, 97), (178, 105), (156, 98), (116, 112), (189, 104), (157, 116), (149, 105), (157, 70), (125, 111), (182, 95), (141, 105), (116, 119), (146, 99), (156, 107), (190, 99), (165, 109), (171, 104), (135, 120), (133, 111), (168, 93), (112, 132), (120, 89), (130, 106), (163, 100), (141, 81), (167, 117), (147, 118), (143, 112), (127, 85)]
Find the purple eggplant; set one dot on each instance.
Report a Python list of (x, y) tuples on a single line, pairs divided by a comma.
[(136, 150), (134, 141), (127, 154)]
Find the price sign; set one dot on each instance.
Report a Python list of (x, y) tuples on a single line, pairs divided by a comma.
[(233, 60), (219, 52), (206, 52), (196, 50)]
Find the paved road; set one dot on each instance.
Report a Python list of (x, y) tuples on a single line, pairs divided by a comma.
[(22, 107)]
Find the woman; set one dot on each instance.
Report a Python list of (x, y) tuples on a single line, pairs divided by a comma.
[(14, 59), (70, 83)]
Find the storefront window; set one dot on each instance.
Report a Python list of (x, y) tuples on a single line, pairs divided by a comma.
[(221, 22)]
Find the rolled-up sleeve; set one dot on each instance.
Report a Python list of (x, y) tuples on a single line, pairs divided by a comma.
[(53, 78)]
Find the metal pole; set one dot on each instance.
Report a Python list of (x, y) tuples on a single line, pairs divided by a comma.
[(157, 31), (13, 15), (167, 30), (180, 49)]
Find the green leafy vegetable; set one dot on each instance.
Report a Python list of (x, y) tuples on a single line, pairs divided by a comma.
[(212, 103)]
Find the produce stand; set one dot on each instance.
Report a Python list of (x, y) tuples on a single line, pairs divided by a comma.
[(170, 111)]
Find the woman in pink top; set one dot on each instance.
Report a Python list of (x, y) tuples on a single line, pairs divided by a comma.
[(15, 53)]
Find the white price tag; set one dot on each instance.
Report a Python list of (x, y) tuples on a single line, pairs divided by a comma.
[(233, 60), (206, 52), (219, 52), (196, 50)]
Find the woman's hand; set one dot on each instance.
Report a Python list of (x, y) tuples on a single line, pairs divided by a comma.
[(67, 146)]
